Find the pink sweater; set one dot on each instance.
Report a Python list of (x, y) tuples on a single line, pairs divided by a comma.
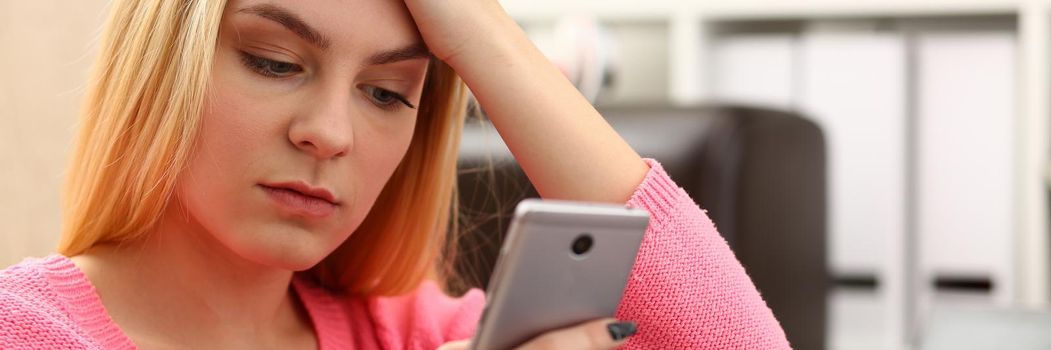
[(686, 291)]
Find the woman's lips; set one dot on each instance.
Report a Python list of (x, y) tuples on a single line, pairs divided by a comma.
[(297, 203)]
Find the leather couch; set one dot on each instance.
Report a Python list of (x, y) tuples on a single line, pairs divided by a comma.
[(760, 174)]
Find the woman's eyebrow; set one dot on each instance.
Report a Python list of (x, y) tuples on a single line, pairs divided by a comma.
[(293, 23), (409, 52), (290, 21)]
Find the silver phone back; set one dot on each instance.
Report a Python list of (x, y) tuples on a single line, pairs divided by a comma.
[(539, 284)]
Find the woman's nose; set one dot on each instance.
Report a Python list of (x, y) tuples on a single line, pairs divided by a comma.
[(326, 129)]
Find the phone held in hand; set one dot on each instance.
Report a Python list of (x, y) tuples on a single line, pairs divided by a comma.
[(563, 263)]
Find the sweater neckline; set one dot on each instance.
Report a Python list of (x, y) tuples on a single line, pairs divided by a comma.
[(82, 302)]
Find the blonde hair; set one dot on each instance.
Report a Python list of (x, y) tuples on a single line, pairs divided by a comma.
[(139, 125)]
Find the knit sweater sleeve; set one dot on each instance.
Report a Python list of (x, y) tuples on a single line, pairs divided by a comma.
[(48, 304), (24, 324), (687, 290)]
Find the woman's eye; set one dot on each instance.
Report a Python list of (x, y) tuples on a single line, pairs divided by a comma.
[(385, 98), (268, 67)]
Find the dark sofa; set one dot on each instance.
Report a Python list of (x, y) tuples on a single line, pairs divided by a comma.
[(760, 174)]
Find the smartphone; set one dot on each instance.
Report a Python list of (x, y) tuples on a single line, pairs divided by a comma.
[(562, 263)]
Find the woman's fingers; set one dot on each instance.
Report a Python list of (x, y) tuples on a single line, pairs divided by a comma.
[(450, 27), (456, 345), (595, 335)]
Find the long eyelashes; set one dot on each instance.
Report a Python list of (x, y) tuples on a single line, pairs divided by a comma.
[(385, 98), (382, 98), (268, 67)]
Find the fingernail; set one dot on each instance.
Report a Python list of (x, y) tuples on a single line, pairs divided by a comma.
[(621, 330)]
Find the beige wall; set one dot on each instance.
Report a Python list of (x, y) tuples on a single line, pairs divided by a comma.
[(45, 52)]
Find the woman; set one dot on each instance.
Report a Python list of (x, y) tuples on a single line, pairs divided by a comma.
[(278, 174)]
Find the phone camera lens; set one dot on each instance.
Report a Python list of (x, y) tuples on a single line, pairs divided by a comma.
[(582, 244)]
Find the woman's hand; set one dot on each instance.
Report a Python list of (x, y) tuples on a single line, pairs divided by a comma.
[(450, 27), (565, 147), (595, 335)]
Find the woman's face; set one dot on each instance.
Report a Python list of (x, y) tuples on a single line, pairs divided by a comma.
[(311, 107)]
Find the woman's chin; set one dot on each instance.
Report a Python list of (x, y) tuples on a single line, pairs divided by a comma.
[(285, 259), (288, 253)]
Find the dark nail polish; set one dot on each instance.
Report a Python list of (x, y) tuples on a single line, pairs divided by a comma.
[(621, 330)]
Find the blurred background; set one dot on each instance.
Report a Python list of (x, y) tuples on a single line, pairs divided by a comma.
[(879, 166)]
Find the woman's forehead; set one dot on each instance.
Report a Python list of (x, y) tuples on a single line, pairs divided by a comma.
[(334, 23)]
